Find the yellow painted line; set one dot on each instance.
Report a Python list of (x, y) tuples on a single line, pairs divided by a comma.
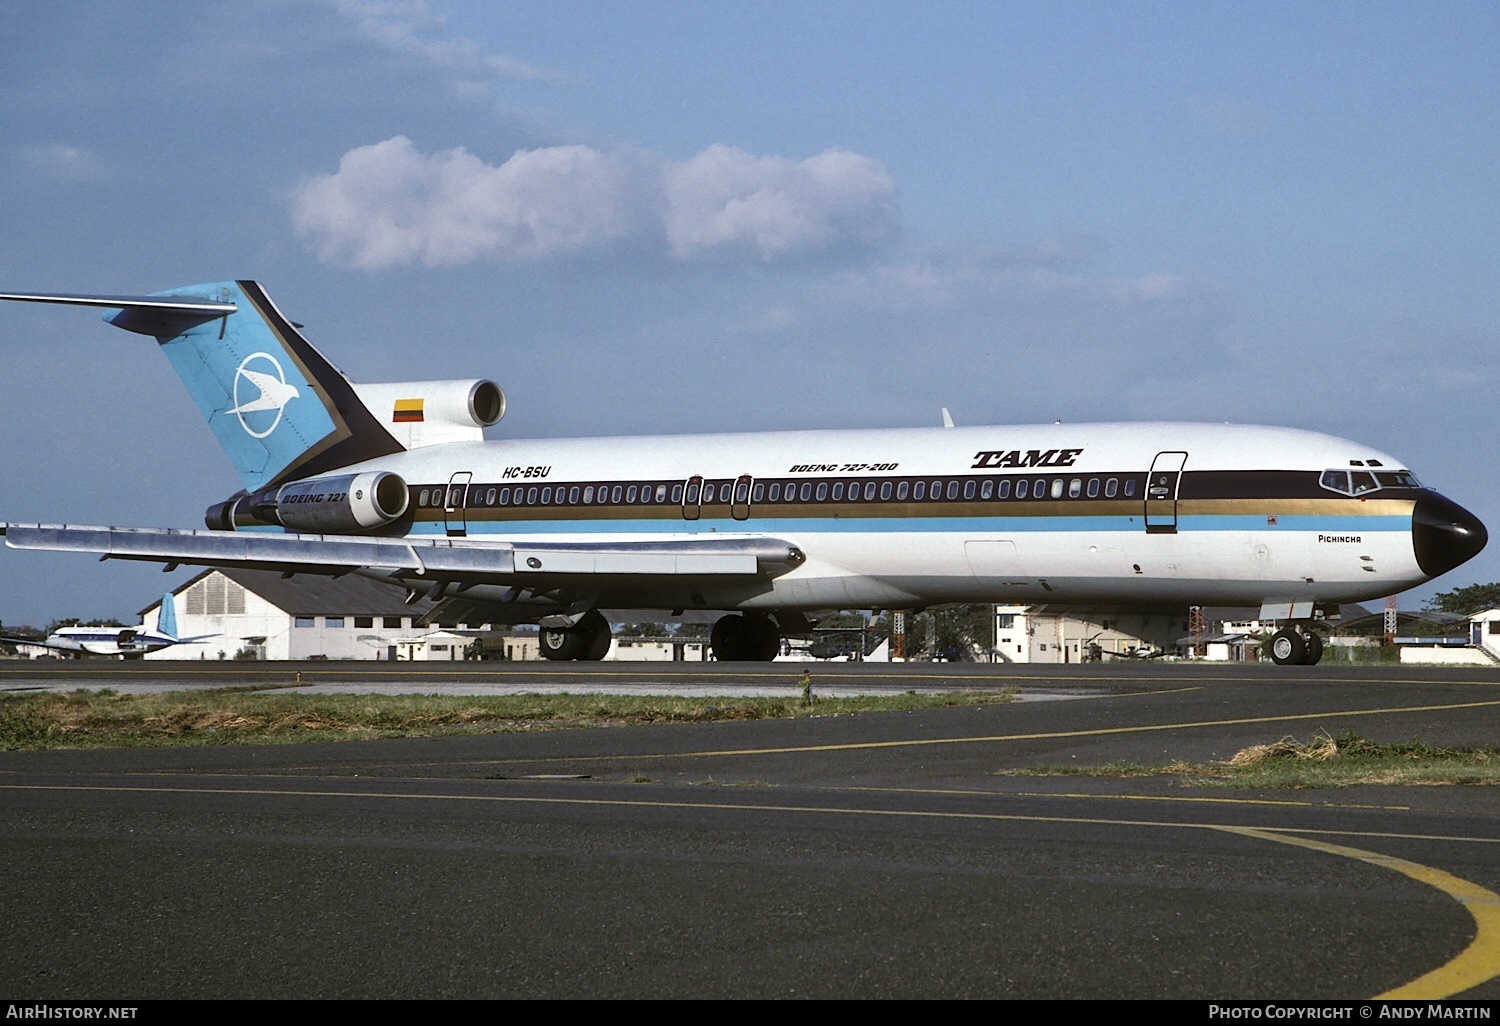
[(982, 793), (1478, 963), (995, 738)]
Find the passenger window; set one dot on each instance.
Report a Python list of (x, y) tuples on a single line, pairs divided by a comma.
[(617, 494), (422, 497), (1110, 488), (531, 496), (1129, 487), (968, 489), (759, 493), (775, 491), (504, 496), (987, 488), (1038, 488), (1021, 488), (822, 490), (869, 490), (952, 489), (741, 492), (902, 490), (919, 490), (630, 493), (588, 495), (838, 491), (1004, 491), (1075, 488), (885, 490), (661, 493), (1093, 487), (806, 492), (573, 494), (677, 493), (546, 495), (936, 491), (1057, 487)]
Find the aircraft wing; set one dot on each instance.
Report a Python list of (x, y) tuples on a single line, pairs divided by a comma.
[(423, 558), (39, 644)]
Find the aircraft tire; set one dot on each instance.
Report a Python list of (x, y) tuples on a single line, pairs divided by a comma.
[(737, 638), (1314, 649), (763, 639), (1288, 648), (560, 643), (596, 636), (727, 639)]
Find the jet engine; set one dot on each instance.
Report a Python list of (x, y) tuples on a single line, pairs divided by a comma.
[(341, 504)]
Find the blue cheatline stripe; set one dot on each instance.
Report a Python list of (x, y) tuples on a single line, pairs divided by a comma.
[(931, 525)]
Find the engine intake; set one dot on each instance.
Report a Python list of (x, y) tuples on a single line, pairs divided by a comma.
[(342, 504)]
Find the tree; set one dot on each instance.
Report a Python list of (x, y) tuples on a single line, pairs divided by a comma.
[(951, 632), (1465, 601)]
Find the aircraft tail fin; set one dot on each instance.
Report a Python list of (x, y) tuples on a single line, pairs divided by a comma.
[(166, 620), (278, 407)]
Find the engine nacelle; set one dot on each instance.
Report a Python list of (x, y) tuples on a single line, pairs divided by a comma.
[(342, 504), (419, 413)]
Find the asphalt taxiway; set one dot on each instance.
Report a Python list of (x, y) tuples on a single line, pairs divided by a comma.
[(835, 856)]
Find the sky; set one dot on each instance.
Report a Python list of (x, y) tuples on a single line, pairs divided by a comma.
[(662, 217)]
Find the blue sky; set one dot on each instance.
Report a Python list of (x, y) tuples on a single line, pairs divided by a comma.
[(662, 217)]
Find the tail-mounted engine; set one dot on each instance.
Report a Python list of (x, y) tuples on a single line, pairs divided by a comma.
[(341, 504), (419, 413)]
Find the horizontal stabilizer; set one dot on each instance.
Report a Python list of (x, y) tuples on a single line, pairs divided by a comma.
[(145, 315), (430, 558)]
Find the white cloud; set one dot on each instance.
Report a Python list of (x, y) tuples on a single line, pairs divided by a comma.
[(389, 205), (403, 25), (726, 199)]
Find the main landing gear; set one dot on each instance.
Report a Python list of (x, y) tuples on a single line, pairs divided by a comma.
[(586, 639), (1296, 644), (745, 637)]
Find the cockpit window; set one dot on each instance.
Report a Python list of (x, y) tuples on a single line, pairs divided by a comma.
[(1364, 482)]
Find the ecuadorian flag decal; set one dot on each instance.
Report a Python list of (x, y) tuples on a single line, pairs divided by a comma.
[(407, 411)]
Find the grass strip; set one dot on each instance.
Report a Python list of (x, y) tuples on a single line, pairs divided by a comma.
[(234, 716), (1324, 761)]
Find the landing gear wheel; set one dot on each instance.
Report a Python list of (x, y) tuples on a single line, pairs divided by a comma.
[(596, 636), (727, 638), (560, 643), (737, 638), (1288, 647), (1314, 649)]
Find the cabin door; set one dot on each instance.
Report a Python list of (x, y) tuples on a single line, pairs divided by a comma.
[(1161, 492), (453, 507)]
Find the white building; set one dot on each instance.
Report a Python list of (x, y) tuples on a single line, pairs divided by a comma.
[(259, 614), (1057, 634)]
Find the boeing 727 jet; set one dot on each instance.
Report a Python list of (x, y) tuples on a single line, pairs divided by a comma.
[(396, 481)]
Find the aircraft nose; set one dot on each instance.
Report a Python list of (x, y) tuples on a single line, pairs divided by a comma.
[(1444, 534)]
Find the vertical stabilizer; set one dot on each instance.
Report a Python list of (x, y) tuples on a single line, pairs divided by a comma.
[(166, 620), (277, 406)]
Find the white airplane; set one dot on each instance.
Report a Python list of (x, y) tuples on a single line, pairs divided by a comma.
[(396, 481), (126, 642)]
